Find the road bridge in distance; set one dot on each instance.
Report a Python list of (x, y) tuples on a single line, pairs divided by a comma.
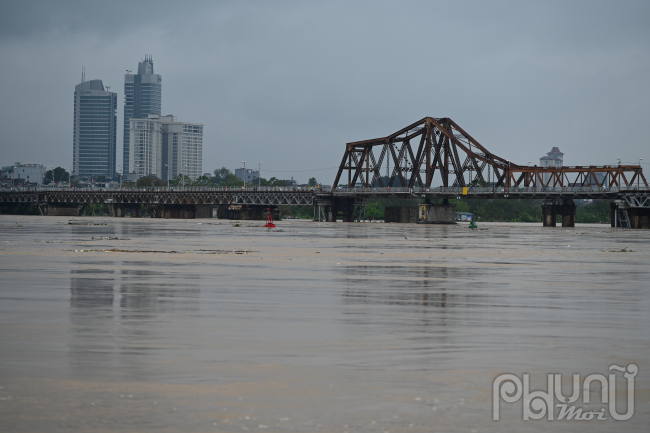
[(331, 204)]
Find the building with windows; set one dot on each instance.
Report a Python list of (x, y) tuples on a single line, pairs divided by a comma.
[(163, 147), (28, 173), (251, 174), (95, 130), (142, 96), (553, 159), (182, 149)]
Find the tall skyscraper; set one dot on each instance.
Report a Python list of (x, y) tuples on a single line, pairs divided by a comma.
[(142, 96), (95, 130), (163, 147)]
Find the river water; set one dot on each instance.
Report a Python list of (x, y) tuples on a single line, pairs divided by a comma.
[(111, 324)]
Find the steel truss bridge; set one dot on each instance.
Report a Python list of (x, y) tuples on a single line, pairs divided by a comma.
[(411, 158), (439, 146), (273, 197)]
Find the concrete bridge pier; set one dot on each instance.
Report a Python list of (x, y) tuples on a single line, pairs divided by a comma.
[(443, 213), (62, 209), (551, 209), (346, 207), (136, 211), (628, 215)]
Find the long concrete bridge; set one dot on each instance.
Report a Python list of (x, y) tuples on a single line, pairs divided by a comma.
[(445, 153)]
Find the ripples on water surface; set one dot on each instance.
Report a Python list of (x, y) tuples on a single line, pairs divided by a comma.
[(320, 327)]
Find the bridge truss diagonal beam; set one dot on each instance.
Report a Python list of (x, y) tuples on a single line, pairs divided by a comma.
[(461, 161)]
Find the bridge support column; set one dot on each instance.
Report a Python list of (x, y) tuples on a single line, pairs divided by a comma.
[(401, 214), (347, 210), (118, 210), (628, 216), (222, 211), (136, 211), (443, 213), (62, 209), (548, 215), (173, 211), (203, 210), (567, 209), (346, 206), (645, 221), (331, 213)]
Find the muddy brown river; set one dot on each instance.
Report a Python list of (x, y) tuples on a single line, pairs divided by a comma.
[(125, 325)]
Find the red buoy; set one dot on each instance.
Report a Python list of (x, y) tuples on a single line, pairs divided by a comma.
[(269, 220)]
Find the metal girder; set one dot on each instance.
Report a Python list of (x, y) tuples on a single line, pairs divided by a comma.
[(441, 144), (637, 200), (275, 198)]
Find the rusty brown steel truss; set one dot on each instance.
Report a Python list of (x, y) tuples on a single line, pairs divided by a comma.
[(413, 154)]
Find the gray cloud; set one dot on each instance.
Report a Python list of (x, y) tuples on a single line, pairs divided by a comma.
[(288, 83)]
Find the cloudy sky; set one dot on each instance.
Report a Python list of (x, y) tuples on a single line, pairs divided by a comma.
[(290, 82)]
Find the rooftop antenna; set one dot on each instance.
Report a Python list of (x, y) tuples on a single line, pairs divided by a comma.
[(83, 74)]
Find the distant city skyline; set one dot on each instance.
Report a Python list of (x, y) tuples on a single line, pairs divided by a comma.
[(291, 83)]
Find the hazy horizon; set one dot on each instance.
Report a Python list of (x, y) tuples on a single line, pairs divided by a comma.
[(289, 83)]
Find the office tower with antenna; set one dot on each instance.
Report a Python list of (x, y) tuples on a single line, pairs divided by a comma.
[(142, 96)]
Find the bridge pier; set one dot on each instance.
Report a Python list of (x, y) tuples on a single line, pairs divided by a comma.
[(443, 213), (631, 214), (551, 209), (349, 208), (136, 211), (62, 209), (401, 214)]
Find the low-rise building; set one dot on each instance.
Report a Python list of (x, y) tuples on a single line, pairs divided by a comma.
[(251, 174), (28, 173)]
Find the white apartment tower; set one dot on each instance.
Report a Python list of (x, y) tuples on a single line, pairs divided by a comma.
[(163, 147)]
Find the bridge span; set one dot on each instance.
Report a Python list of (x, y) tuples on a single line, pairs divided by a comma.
[(442, 153), (329, 203)]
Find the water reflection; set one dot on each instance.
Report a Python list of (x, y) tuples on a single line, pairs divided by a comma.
[(116, 311), (429, 286)]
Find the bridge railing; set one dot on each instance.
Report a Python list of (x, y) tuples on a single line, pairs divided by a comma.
[(175, 189), (459, 191)]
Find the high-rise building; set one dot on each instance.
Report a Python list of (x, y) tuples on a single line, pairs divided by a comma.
[(142, 96), (163, 147), (182, 149), (95, 130)]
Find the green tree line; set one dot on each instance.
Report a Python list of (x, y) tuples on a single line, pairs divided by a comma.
[(500, 210)]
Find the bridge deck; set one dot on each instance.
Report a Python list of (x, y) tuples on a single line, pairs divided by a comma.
[(275, 197)]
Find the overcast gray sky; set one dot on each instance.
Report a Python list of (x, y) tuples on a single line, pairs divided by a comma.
[(290, 82)]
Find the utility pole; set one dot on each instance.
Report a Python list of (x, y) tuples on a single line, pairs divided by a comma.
[(244, 175)]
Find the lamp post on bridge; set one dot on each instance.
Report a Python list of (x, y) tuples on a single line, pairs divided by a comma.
[(244, 175), (639, 175), (259, 176)]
